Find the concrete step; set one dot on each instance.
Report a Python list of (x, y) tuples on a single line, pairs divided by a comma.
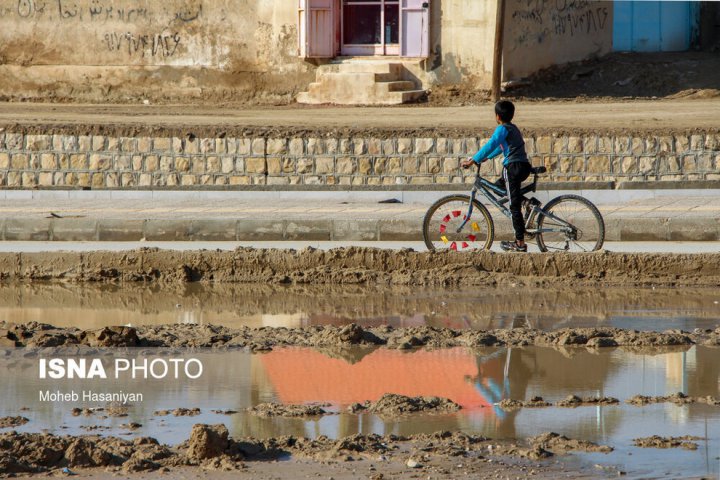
[(396, 86), (383, 68)]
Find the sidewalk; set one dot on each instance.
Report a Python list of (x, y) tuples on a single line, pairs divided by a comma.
[(185, 217)]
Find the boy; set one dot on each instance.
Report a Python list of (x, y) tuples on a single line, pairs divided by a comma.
[(508, 140)]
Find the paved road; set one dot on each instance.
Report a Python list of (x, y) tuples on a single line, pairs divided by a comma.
[(29, 247)]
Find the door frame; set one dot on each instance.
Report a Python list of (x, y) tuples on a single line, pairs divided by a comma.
[(378, 49)]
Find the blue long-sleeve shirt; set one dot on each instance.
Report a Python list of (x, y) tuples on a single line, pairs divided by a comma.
[(506, 139)]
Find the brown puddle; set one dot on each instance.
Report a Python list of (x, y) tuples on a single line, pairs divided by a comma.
[(89, 306), (477, 380)]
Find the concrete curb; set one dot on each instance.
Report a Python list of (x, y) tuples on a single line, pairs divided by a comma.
[(397, 229)]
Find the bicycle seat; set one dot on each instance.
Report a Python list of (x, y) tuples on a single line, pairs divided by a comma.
[(538, 170)]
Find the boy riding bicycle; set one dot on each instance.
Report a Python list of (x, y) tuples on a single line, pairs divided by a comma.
[(508, 140)]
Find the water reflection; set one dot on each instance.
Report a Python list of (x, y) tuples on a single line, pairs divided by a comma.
[(93, 306)]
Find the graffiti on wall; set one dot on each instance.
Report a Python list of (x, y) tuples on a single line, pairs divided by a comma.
[(534, 22), (150, 30)]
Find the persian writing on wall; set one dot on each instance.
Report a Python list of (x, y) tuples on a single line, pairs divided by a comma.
[(131, 29)]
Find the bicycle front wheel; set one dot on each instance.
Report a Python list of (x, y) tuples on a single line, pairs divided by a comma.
[(570, 223), (445, 225)]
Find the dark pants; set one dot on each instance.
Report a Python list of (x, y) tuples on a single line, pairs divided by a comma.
[(512, 177)]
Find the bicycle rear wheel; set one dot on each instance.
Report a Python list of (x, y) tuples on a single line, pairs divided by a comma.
[(575, 225), (445, 217)]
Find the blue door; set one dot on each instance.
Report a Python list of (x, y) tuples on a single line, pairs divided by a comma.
[(655, 26)]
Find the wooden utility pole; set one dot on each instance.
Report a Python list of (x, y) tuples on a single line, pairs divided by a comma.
[(498, 53)]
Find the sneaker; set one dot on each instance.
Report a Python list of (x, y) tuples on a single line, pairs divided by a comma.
[(512, 246)]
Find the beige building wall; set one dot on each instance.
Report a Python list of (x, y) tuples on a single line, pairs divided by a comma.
[(541, 33), (127, 50)]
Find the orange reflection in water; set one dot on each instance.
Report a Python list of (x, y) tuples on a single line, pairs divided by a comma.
[(301, 375)]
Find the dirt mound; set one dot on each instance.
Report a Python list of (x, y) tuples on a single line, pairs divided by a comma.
[(534, 402), (561, 444), (12, 422), (573, 401), (356, 265), (676, 398), (178, 412), (656, 441), (277, 410), (207, 441), (393, 405), (627, 76), (334, 337)]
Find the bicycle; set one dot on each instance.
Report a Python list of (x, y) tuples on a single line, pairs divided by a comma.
[(566, 223)]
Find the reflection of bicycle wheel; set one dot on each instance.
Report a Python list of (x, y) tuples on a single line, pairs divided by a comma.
[(576, 223), (445, 217)]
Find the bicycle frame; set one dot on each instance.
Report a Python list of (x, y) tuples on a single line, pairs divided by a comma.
[(499, 198)]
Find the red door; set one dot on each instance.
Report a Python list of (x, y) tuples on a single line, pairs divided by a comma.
[(316, 28)]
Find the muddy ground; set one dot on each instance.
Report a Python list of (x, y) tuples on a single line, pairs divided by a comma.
[(365, 266), (632, 118), (440, 455), (38, 335)]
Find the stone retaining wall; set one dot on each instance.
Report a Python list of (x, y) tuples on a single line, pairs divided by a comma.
[(28, 161)]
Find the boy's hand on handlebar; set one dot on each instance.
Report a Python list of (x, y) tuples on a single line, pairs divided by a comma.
[(467, 163)]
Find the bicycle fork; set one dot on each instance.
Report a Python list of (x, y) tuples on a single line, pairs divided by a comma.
[(469, 213)]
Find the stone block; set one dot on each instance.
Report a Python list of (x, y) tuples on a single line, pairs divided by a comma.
[(305, 165), (359, 146), (122, 162), (4, 161), (258, 146), (145, 180), (689, 164), (297, 147), (128, 179), (197, 165), (668, 164), (274, 166), (79, 161), (98, 180), (410, 165), (705, 163), (381, 165), (143, 145), (278, 180), (374, 146), (182, 164), (394, 165), (560, 145), (239, 180), (315, 146), (29, 179), (365, 166), (345, 146), (389, 147), (696, 142), (622, 145), (15, 141), (648, 165), (598, 164), (162, 144), (191, 145), (221, 146), (206, 145), (434, 165), (112, 144), (324, 165), (243, 146), (424, 145), (166, 164), (404, 145), (605, 145), (46, 179), (14, 179), (575, 145), (19, 161), (98, 143), (543, 145), (137, 162), (255, 165), (682, 143), (638, 146), (450, 165), (345, 166), (443, 146), (38, 143), (152, 163), (167, 230), (228, 165), (275, 146), (590, 144), (332, 145), (188, 180)]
